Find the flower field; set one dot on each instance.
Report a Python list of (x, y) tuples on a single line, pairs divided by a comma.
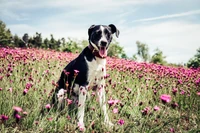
[(141, 97)]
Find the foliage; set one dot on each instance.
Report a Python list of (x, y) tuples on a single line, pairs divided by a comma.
[(158, 57), (134, 92), (115, 50), (143, 51), (195, 61), (5, 35)]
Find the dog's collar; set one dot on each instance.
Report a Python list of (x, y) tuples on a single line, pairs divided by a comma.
[(95, 52)]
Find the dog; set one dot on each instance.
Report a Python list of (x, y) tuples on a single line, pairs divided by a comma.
[(88, 70)]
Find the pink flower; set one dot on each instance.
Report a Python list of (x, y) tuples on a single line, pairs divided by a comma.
[(172, 130), (115, 110), (198, 93), (113, 102), (48, 106), (156, 108), (10, 89), (4, 117), (25, 113), (174, 105), (25, 91), (69, 101), (145, 111), (17, 116), (129, 90), (121, 122), (76, 72), (50, 119), (174, 91), (17, 109), (1, 89), (165, 98)]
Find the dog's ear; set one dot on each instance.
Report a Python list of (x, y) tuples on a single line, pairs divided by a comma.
[(114, 29), (90, 30)]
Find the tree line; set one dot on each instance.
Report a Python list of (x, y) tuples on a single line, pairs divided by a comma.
[(76, 46)]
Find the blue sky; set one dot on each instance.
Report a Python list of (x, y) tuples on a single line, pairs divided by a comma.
[(173, 26)]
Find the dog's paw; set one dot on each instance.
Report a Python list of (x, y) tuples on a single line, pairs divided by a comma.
[(81, 127)]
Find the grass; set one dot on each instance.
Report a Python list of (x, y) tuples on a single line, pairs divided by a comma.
[(136, 86)]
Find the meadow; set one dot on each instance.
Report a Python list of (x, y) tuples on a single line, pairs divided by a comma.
[(141, 97)]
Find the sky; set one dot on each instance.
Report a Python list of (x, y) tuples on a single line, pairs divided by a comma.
[(173, 26)]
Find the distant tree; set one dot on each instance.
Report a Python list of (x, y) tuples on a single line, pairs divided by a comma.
[(46, 43), (18, 41), (143, 51), (158, 57), (115, 50), (5, 35), (195, 61), (134, 57)]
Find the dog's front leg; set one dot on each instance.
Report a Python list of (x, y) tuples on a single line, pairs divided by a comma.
[(102, 102), (81, 106)]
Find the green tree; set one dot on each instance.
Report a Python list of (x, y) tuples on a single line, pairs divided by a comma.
[(158, 57), (5, 35), (195, 61), (143, 51), (115, 50)]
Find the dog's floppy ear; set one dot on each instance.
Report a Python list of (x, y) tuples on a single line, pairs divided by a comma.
[(90, 30), (114, 29)]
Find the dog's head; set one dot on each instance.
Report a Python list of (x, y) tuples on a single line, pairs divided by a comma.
[(100, 36)]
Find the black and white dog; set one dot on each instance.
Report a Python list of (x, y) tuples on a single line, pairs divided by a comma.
[(87, 71)]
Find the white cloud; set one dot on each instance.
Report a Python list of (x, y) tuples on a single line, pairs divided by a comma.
[(194, 12)]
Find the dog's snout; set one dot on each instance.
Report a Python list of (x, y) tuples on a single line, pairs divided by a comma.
[(103, 43)]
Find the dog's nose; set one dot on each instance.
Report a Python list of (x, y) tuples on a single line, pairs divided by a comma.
[(103, 43)]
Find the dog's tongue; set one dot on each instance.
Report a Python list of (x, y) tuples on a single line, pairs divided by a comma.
[(103, 52)]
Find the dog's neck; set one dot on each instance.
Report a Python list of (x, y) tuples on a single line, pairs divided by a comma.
[(94, 51)]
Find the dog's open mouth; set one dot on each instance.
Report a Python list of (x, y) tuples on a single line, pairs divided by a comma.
[(103, 51)]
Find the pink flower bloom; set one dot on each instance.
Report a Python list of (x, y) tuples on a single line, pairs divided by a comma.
[(172, 130), (25, 113), (198, 93), (145, 111), (10, 89), (129, 90), (76, 72), (165, 98), (17, 116), (174, 91), (174, 105), (69, 101), (156, 108), (115, 110), (1, 89), (113, 102), (121, 122), (25, 91), (17, 109), (48, 106), (4, 117), (50, 119)]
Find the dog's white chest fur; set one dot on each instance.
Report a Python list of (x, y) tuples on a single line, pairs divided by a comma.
[(96, 71)]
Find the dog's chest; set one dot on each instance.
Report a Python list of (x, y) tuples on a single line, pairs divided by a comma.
[(96, 71)]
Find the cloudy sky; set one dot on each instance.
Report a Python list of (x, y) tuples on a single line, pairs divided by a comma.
[(173, 26)]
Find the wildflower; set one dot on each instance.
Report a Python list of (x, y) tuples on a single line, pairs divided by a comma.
[(174, 105), (172, 130), (174, 91), (113, 102), (25, 91), (145, 111), (48, 106), (4, 117), (1, 89), (156, 108), (129, 90), (165, 98), (69, 101), (10, 89), (115, 110), (17, 109), (25, 113), (76, 72), (198, 93), (121, 122), (50, 119), (17, 117)]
